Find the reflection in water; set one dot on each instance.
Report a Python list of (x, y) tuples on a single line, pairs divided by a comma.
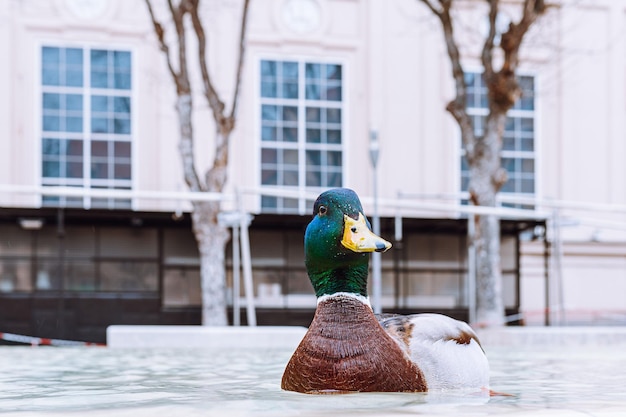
[(98, 381)]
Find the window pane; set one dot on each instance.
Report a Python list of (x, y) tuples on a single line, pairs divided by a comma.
[(51, 76), (290, 134), (508, 143), (313, 114), (269, 156), (528, 144), (51, 123), (508, 164), (129, 276), (122, 150), (333, 115), (268, 89), (290, 71), (290, 90), (313, 92), (313, 178), (99, 170), (121, 104), (121, 60), (50, 56), (181, 287), (313, 158), (51, 101), (74, 78), (122, 80), (334, 159), (74, 57), (333, 72), (74, 124), (50, 146), (121, 171), (50, 169), (99, 125), (121, 126), (268, 134), (99, 59), (50, 61), (528, 165), (290, 178), (269, 112), (99, 148), (290, 113), (99, 103), (313, 135), (290, 157), (268, 68), (528, 124), (74, 169), (313, 71), (528, 186), (333, 136), (269, 177), (333, 93), (80, 276), (15, 275), (74, 102), (74, 148)]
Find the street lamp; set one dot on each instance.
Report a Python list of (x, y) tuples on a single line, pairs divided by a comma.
[(376, 269)]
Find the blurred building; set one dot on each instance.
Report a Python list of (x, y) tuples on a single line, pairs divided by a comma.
[(87, 104)]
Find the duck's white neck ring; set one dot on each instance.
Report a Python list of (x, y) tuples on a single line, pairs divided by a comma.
[(364, 300)]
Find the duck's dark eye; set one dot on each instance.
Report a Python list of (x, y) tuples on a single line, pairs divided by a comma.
[(354, 229), (322, 210)]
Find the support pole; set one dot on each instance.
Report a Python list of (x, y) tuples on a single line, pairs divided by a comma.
[(244, 223), (247, 270), (236, 277), (376, 256), (471, 268)]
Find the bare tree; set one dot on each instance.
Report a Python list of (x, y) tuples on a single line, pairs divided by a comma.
[(483, 153), (210, 235)]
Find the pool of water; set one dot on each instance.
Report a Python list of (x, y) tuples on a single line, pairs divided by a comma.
[(94, 381)]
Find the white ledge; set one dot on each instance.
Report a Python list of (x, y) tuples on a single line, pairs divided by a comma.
[(261, 337)]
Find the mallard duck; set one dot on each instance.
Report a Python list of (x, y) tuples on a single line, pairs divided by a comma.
[(347, 348)]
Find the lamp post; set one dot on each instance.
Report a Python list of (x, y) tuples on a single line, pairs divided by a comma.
[(376, 269)]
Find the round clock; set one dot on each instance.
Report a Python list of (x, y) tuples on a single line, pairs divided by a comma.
[(301, 16)]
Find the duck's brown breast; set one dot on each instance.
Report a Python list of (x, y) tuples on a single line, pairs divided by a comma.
[(346, 350)]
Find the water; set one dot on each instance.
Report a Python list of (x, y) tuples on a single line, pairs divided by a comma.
[(550, 381)]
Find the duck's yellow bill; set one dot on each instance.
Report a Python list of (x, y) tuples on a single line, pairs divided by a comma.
[(359, 238)]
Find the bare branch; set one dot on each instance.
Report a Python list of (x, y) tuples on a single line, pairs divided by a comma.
[(437, 11), (242, 50), (487, 53), (216, 104), (178, 14), (160, 32), (504, 89), (456, 107)]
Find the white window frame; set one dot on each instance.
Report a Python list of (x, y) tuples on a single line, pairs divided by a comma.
[(516, 153), (86, 136), (301, 145)]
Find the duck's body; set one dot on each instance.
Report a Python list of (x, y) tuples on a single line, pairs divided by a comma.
[(349, 349), (446, 351)]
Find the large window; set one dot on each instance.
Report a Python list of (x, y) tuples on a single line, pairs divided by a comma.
[(518, 145), (86, 123), (301, 129)]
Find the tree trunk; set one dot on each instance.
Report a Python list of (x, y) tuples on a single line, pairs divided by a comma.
[(489, 304), (212, 239), (486, 178)]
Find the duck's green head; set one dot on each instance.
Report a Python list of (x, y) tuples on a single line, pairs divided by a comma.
[(337, 244)]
